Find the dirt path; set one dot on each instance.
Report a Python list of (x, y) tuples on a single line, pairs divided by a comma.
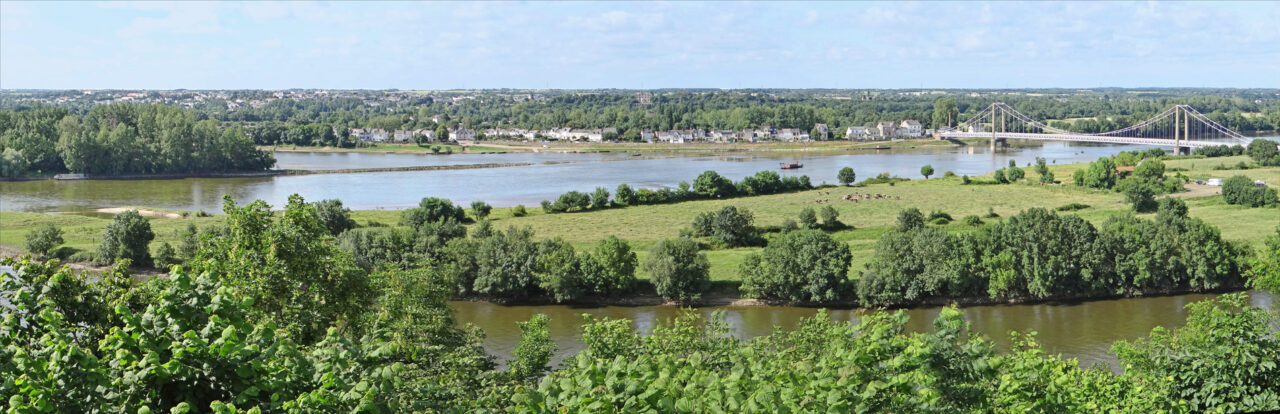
[(1198, 190)]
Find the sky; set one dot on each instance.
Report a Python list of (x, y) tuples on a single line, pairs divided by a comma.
[(637, 45)]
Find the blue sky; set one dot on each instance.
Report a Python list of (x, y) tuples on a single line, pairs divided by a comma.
[(438, 45)]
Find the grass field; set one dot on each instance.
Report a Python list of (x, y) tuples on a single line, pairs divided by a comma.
[(645, 225)]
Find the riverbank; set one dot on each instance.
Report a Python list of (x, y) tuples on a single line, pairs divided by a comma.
[(433, 149), (492, 147), (643, 226)]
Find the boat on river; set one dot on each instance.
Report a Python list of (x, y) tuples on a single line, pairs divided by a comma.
[(792, 165)]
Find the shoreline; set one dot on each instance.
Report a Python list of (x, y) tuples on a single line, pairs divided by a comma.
[(277, 173)]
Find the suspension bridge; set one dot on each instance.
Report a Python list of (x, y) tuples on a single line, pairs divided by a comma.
[(1181, 127)]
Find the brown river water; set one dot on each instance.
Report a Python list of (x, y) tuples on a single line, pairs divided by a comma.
[(1083, 330)]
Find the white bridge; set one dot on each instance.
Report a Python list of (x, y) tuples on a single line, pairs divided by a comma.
[(1180, 127)]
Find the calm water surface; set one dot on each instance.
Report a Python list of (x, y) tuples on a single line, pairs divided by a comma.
[(1080, 330), (550, 175)]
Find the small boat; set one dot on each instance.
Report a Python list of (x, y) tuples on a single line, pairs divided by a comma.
[(791, 165)]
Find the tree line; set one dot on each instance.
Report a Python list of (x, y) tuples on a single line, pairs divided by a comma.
[(120, 139)]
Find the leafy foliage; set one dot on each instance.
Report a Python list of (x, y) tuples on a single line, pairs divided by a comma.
[(42, 239), (128, 236), (802, 265), (335, 217), (678, 270)]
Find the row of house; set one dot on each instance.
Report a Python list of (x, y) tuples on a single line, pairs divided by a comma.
[(820, 132), (908, 128)]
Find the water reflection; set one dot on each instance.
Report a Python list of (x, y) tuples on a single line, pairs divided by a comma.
[(1084, 330)]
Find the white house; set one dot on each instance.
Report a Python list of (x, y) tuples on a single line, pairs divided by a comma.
[(886, 129), (912, 128), (857, 133), (824, 133)]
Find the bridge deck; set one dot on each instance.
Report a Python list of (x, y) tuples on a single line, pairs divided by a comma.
[(1081, 138)]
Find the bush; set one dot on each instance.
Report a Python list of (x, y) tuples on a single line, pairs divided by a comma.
[(1000, 177), (926, 171), (1072, 207), (711, 185), (624, 195), (1015, 174), (972, 221), (43, 238), (432, 210), (335, 218), (519, 211), (1140, 193), (1240, 190), (788, 225), (1219, 151), (600, 198), (910, 219), (165, 256), (940, 221), (934, 215), (611, 270), (965, 179), (1264, 152), (846, 176), (678, 270), (808, 218), (802, 265), (480, 209), (733, 227), (830, 217), (991, 213), (573, 201), (127, 237), (1101, 174)]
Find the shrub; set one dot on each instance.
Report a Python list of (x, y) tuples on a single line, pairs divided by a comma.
[(965, 179), (926, 171), (432, 210), (733, 227), (1240, 190), (710, 184), (1264, 152), (127, 237), (43, 238), (1000, 177), (1015, 174), (934, 215), (949, 174), (940, 221), (788, 225), (519, 211), (1140, 193), (678, 270), (846, 176), (972, 221), (480, 209), (335, 218), (910, 219), (165, 256), (830, 217), (611, 270), (573, 201), (1072, 207), (802, 265), (600, 198), (808, 218), (624, 195), (991, 213)]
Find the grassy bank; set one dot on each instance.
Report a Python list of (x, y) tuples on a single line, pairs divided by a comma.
[(393, 148), (645, 225)]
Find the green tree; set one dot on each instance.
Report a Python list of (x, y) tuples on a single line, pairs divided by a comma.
[(804, 265), (533, 355), (432, 210), (127, 237), (710, 184), (442, 133), (480, 209), (846, 176), (1264, 270), (43, 238), (734, 227), (558, 270), (830, 217), (1101, 174), (600, 198), (808, 218), (945, 113), (336, 218), (1000, 177), (289, 267), (165, 256), (624, 195), (678, 270), (611, 270), (910, 219), (1016, 174), (1264, 152), (1150, 169), (926, 171)]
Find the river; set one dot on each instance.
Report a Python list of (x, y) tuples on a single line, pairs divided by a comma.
[(1084, 330), (550, 175)]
